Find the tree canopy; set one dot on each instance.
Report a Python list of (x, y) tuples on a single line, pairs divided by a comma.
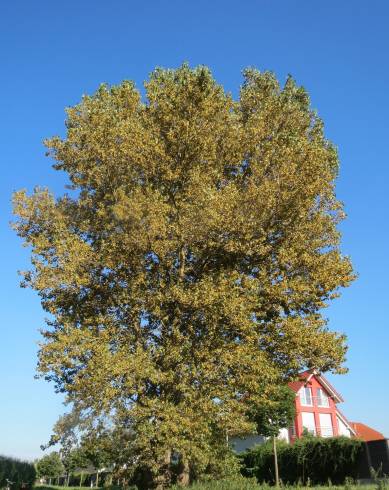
[(50, 466), (278, 413), (186, 269)]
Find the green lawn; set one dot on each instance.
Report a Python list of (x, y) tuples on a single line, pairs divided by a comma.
[(239, 484), (59, 487), (252, 485)]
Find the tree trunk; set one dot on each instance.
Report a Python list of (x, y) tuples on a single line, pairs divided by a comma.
[(163, 479), (182, 263), (276, 461), (183, 478), (81, 475), (97, 479)]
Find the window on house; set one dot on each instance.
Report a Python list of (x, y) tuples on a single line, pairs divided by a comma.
[(322, 398), (326, 429), (308, 420), (306, 396)]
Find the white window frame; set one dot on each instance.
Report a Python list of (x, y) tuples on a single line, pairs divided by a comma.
[(311, 426), (328, 429), (306, 402), (322, 398)]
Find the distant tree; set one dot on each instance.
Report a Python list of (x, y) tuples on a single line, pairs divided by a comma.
[(278, 413), (74, 459), (21, 473), (50, 466), (97, 447), (65, 434), (191, 261)]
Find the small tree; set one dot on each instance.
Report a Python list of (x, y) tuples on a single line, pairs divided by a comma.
[(65, 435), (97, 448), (73, 459), (50, 466), (274, 416)]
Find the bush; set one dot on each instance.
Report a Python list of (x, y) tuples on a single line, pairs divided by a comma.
[(312, 459), (21, 473)]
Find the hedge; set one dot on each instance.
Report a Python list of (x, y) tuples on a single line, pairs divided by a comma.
[(312, 460), (21, 473)]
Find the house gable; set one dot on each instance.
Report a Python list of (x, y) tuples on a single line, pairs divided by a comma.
[(316, 410), (316, 380), (316, 407)]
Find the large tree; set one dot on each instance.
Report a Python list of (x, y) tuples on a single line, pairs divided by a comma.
[(186, 271)]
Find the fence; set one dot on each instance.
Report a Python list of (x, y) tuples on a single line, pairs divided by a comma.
[(375, 457)]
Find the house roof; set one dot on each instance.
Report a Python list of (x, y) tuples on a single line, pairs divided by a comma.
[(306, 376), (366, 433)]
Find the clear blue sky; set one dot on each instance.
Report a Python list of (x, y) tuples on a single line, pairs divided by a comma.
[(53, 52)]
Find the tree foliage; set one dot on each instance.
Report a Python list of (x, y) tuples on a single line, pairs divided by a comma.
[(50, 466), (75, 459), (277, 413), (98, 449), (186, 270), (21, 473)]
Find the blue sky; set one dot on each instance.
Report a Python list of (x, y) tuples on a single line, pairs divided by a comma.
[(53, 52)]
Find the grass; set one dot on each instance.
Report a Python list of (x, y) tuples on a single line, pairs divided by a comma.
[(251, 484), (228, 485), (60, 487), (238, 484), (235, 484)]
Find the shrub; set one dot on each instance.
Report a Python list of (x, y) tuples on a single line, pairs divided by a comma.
[(312, 459), (21, 473)]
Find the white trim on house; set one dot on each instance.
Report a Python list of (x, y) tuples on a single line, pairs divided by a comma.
[(344, 421), (322, 398), (334, 394), (306, 396)]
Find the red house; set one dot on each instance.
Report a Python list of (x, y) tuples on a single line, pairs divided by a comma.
[(317, 412), (316, 408)]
